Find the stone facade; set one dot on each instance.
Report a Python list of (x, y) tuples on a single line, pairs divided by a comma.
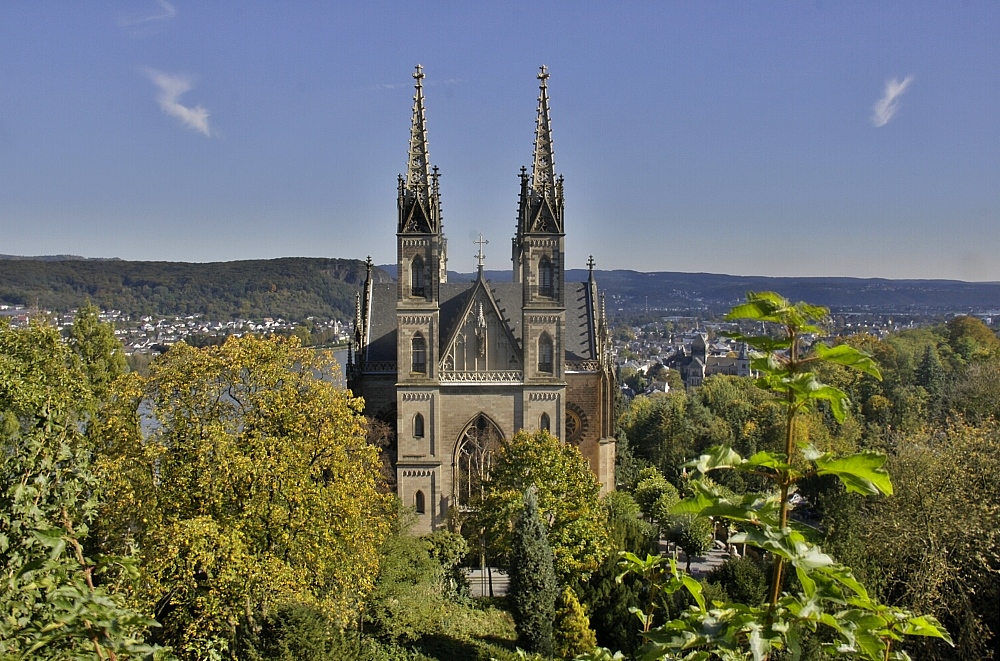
[(458, 368)]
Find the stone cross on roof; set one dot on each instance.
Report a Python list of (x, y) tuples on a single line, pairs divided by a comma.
[(481, 258)]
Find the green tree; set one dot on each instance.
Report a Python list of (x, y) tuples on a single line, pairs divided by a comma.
[(243, 475), (692, 534), (100, 352), (608, 599), (935, 545), (533, 590), (571, 632), (971, 339), (742, 579), (930, 373), (50, 604), (566, 496), (409, 599), (449, 549), (649, 488)]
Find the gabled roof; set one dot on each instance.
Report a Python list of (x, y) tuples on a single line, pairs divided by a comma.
[(481, 292)]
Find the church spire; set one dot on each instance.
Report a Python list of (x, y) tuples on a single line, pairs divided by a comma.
[(543, 173), (541, 201), (418, 169), (419, 202)]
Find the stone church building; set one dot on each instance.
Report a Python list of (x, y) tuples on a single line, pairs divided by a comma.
[(456, 368)]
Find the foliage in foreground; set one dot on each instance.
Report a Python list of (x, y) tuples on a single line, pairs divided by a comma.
[(49, 604), (827, 594), (242, 474)]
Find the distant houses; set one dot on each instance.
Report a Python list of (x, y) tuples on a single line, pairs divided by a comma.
[(149, 334), (699, 359)]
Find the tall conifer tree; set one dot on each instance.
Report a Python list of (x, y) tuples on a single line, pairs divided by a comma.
[(533, 589)]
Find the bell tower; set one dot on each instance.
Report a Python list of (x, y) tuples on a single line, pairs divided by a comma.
[(539, 254), (421, 253)]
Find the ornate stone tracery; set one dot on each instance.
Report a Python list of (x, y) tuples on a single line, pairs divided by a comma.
[(474, 459)]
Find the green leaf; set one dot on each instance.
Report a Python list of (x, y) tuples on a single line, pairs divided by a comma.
[(848, 356), (764, 343), (694, 505), (774, 460), (694, 587), (926, 625), (720, 456), (838, 400), (861, 472)]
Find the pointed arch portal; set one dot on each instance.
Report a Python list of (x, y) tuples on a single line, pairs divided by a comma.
[(474, 457)]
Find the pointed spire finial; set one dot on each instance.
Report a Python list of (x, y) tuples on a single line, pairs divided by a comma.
[(543, 172), (418, 170), (590, 263)]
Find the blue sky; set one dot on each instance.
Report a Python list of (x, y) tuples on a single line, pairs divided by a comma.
[(823, 138)]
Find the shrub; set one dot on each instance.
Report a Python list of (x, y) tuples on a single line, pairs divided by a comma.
[(742, 579), (572, 633)]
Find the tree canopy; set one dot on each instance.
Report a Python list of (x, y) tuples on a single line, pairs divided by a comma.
[(49, 603), (243, 475), (567, 494)]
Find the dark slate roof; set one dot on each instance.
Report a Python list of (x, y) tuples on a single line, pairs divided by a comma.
[(382, 342), (455, 297), (578, 331)]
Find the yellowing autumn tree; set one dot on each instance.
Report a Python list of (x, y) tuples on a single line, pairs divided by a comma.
[(242, 475)]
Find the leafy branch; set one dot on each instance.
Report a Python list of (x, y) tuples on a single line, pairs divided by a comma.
[(829, 594)]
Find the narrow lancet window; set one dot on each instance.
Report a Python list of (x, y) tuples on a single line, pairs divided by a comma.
[(418, 353), (417, 277), (545, 362), (418, 502), (545, 287), (418, 426), (544, 424)]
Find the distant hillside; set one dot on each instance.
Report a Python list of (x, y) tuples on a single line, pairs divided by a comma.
[(299, 287), (293, 288), (633, 291), (665, 290), (59, 258)]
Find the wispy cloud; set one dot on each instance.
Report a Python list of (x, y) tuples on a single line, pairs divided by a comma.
[(886, 107), (165, 12), (171, 88)]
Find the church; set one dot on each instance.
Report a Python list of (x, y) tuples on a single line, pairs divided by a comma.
[(456, 368)]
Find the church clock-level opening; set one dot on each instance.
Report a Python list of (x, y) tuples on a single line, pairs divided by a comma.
[(464, 366)]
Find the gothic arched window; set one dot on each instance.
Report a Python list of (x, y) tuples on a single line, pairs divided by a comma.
[(418, 426), (474, 460), (418, 502), (544, 423), (545, 362), (417, 277), (418, 353), (545, 286)]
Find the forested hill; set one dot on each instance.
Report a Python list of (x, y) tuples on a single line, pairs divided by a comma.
[(292, 288), (298, 287), (719, 292), (631, 291)]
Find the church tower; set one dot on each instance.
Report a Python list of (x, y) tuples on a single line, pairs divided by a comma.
[(421, 253), (538, 255)]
